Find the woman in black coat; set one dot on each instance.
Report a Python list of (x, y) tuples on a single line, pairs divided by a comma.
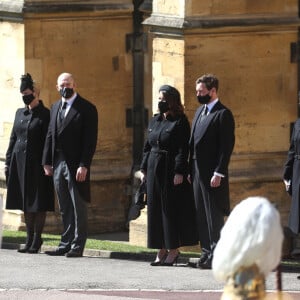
[(291, 177), (28, 189), (171, 212)]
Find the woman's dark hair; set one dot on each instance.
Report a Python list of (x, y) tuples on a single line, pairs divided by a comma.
[(172, 96), (26, 82)]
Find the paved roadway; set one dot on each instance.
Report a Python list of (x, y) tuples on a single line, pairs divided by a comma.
[(97, 276)]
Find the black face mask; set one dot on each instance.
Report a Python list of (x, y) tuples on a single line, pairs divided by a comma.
[(27, 99), (204, 99), (66, 92), (163, 106)]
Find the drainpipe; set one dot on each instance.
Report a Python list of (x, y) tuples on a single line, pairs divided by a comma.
[(298, 63), (136, 117)]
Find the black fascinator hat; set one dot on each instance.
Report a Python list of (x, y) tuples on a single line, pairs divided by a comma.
[(26, 82)]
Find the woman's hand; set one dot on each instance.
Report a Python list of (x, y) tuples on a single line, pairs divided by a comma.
[(178, 179), (287, 184), (143, 176), (48, 170)]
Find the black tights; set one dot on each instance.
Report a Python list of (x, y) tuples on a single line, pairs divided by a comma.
[(34, 226)]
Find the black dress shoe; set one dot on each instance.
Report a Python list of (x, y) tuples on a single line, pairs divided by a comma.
[(57, 252), (74, 253), (192, 264), (203, 258), (205, 265)]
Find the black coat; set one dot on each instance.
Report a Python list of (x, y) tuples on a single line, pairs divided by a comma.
[(28, 189), (171, 211), (213, 150), (292, 172), (77, 138)]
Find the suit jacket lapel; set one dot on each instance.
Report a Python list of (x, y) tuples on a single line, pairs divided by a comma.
[(55, 110), (70, 115), (204, 123)]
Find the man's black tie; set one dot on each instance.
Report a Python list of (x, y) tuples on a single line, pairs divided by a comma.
[(63, 111), (203, 114), (61, 115)]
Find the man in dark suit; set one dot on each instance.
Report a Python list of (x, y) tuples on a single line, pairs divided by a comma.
[(69, 148), (211, 144)]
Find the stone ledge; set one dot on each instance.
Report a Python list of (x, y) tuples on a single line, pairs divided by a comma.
[(12, 6), (74, 6), (257, 167), (165, 21), (11, 11)]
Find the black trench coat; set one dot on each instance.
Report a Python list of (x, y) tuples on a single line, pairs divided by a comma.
[(292, 172), (171, 211), (28, 189)]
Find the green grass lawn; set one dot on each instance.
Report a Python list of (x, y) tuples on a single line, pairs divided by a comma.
[(19, 237)]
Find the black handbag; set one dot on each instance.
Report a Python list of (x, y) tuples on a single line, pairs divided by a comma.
[(140, 197), (138, 203)]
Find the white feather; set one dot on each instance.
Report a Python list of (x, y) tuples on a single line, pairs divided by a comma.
[(252, 234)]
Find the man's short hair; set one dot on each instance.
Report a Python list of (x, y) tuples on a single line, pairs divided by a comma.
[(210, 81)]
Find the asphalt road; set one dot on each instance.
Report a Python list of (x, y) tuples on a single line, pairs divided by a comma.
[(39, 276)]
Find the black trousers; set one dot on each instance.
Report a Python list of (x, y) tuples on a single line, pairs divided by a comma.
[(210, 219), (73, 208)]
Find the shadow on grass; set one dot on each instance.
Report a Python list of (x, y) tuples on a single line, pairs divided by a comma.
[(22, 240)]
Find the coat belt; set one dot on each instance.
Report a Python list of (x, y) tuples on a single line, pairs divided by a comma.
[(159, 151)]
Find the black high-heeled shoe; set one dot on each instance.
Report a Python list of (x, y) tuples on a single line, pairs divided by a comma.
[(174, 261), (159, 262), (36, 246)]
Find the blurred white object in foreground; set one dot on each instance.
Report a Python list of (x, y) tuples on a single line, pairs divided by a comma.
[(249, 248)]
